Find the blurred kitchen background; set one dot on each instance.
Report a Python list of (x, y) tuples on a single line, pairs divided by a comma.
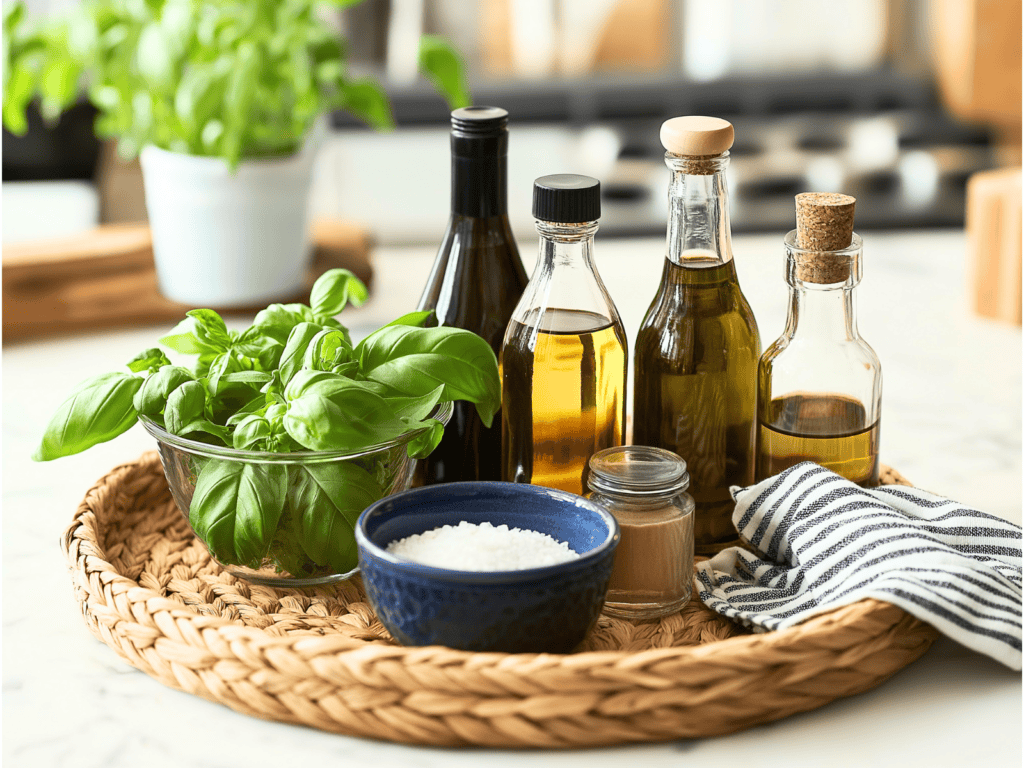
[(877, 98)]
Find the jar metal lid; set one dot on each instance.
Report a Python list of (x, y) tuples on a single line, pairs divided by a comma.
[(638, 470)]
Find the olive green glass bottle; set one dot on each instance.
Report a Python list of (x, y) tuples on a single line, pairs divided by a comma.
[(695, 371)]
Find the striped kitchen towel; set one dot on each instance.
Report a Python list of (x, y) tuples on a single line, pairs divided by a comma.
[(824, 542)]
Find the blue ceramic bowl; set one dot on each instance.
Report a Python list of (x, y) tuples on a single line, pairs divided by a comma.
[(534, 610)]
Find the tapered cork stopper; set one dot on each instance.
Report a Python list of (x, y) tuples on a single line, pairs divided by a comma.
[(699, 139), (824, 223)]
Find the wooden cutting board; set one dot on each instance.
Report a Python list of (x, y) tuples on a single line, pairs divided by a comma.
[(106, 279)]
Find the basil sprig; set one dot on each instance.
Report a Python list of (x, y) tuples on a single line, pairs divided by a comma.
[(293, 381)]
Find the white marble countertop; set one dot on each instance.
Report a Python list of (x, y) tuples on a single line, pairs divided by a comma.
[(951, 422)]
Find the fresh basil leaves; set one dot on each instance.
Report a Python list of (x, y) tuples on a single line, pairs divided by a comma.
[(291, 382), (100, 409)]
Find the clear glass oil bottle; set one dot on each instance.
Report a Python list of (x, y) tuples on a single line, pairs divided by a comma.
[(695, 370), (563, 362), (476, 281), (820, 383)]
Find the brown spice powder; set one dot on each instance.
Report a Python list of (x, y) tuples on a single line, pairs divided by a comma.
[(651, 563)]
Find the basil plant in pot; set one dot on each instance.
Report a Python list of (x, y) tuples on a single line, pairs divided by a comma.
[(275, 438), (224, 100)]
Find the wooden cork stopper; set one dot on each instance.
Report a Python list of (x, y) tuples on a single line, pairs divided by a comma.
[(824, 223), (699, 140)]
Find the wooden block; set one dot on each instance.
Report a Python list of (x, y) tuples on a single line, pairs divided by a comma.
[(994, 243), (977, 53), (635, 37), (107, 279)]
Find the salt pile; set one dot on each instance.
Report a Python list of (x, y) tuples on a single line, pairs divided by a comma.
[(483, 547)]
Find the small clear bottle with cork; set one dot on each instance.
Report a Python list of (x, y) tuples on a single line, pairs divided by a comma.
[(563, 361), (819, 390)]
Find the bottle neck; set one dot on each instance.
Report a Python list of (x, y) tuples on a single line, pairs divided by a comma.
[(698, 222), (480, 175), (825, 311), (567, 246)]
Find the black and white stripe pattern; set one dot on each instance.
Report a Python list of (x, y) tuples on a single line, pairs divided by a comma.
[(824, 542)]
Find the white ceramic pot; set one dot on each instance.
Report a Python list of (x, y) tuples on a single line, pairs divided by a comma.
[(228, 239)]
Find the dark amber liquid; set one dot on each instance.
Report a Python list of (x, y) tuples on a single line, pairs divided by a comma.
[(831, 430), (695, 376), (475, 284), (563, 397)]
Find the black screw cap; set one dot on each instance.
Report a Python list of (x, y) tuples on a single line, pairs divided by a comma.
[(566, 198), (479, 121)]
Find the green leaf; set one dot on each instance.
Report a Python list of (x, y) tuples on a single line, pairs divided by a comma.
[(328, 349), (58, 86), (252, 433), (17, 95), (415, 361), (257, 345), (331, 496), (324, 383), (202, 426), (184, 405), (334, 289), (349, 419), (236, 508), (150, 360), (238, 100), (155, 58), (424, 443), (98, 410), (416, 319), (178, 21), (197, 96), (295, 349), (251, 378), (183, 339), (277, 320), (416, 408), (255, 406), (444, 68), (152, 396), (210, 330), (366, 100)]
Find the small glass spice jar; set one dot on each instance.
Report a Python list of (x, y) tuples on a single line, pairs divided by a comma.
[(645, 488)]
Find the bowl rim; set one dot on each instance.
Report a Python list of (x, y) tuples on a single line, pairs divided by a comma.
[(610, 542), (442, 413)]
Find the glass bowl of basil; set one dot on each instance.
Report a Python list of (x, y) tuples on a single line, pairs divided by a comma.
[(275, 437), (283, 519)]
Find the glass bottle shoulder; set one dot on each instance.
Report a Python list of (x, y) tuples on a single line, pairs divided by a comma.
[(699, 306), (477, 277)]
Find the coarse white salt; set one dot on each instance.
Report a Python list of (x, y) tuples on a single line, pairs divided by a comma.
[(483, 547)]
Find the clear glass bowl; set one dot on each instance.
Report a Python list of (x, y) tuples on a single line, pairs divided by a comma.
[(326, 492)]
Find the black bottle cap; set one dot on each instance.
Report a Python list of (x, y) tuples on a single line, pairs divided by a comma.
[(566, 198), (479, 161), (479, 121)]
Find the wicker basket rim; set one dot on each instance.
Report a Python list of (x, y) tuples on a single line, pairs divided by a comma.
[(326, 680)]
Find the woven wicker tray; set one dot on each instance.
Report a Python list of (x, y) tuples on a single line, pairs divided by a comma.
[(320, 657)]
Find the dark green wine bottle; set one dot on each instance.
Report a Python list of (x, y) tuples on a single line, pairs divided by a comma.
[(476, 281)]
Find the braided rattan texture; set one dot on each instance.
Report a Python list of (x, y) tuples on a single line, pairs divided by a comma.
[(319, 657)]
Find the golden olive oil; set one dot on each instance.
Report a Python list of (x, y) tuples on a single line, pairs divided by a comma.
[(830, 430), (694, 386), (563, 396)]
